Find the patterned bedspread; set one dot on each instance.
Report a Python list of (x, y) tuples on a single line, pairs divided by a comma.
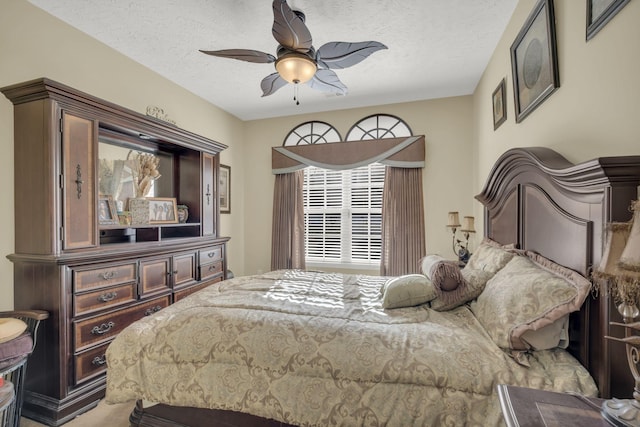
[(317, 349)]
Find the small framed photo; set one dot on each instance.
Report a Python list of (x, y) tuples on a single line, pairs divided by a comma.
[(599, 12), (499, 99), (534, 60), (162, 210), (107, 214), (224, 188)]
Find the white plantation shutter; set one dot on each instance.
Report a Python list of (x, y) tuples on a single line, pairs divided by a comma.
[(366, 212), (343, 213), (322, 196)]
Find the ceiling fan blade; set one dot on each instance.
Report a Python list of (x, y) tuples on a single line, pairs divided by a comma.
[(337, 55), (243, 55), (289, 28), (327, 81), (272, 83)]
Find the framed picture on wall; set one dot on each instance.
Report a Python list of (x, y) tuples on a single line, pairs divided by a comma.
[(499, 100), (225, 189), (534, 60), (599, 12)]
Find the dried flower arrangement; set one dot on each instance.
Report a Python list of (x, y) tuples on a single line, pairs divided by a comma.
[(145, 171)]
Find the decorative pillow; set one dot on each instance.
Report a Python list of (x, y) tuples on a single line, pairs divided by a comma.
[(444, 274), (11, 328), (407, 291), (529, 293), (551, 336), (475, 281), (490, 256)]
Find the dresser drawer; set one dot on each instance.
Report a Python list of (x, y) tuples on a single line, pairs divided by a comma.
[(155, 275), (210, 254), (177, 296), (103, 298), (90, 363), (184, 269), (210, 270), (102, 328), (95, 278)]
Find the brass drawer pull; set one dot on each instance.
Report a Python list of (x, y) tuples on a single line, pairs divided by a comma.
[(99, 360), (108, 275), (102, 329), (108, 297), (213, 268), (152, 310), (211, 254)]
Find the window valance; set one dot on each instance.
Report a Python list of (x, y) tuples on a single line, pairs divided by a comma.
[(403, 152)]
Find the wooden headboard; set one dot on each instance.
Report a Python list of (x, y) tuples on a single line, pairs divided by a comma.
[(540, 201)]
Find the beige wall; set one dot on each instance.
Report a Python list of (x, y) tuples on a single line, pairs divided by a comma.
[(447, 126), (595, 111), (33, 44)]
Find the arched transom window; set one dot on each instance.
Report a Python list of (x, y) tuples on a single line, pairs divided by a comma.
[(378, 126), (312, 133)]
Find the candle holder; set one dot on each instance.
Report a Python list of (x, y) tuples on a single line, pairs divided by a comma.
[(461, 246)]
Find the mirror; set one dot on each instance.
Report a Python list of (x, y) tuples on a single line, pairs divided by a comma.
[(125, 172)]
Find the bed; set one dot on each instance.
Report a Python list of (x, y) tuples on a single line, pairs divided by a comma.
[(306, 348)]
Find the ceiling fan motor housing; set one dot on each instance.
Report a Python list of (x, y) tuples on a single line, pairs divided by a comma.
[(295, 67)]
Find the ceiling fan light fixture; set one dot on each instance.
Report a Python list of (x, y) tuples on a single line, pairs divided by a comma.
[(296, 68)]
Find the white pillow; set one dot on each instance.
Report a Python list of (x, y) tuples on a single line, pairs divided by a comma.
[(407, 291)]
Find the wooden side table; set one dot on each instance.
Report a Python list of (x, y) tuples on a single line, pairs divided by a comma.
[(527, 407)]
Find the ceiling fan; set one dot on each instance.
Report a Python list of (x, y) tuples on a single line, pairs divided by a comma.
[(297, 61)]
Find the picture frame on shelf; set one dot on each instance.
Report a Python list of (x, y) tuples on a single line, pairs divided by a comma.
[(162, 210), (224, 188), (599, 13), (534, 60), (107, 214), (499, 101)]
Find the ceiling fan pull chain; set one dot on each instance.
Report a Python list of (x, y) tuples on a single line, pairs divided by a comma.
[(295, 94)]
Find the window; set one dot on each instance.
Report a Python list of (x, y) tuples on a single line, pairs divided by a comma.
[(378, 126), (343, 214), (312, 133), (343, 209)]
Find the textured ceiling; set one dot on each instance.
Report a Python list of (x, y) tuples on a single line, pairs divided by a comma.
[(437, 48)]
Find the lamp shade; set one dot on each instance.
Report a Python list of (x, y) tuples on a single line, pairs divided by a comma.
[(613, 276), (617, 234), (454, 220), (296, 67), (630, 257), (468, 224)]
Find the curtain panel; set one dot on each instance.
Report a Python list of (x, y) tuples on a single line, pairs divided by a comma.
[(403, 243), (287, 231)]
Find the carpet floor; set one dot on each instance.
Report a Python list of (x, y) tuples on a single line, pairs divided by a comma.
[(103, 415)]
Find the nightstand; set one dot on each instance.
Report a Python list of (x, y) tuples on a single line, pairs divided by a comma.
[(527, 407)]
